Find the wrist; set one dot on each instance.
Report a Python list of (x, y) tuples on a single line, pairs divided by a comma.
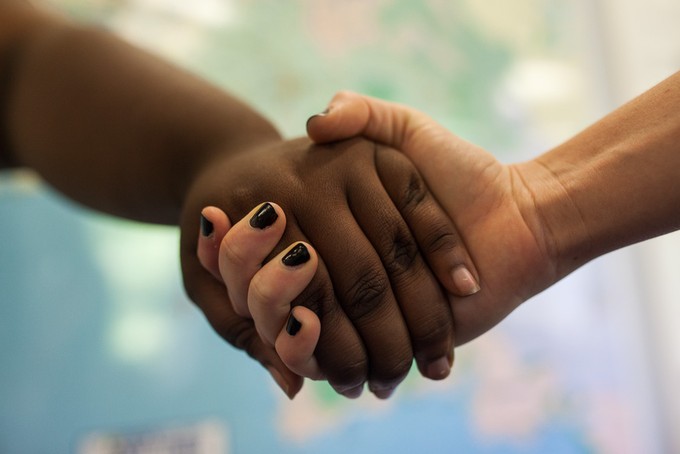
[(554, 217)]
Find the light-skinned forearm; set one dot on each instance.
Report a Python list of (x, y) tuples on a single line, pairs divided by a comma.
[(108, 124), (614, 184)]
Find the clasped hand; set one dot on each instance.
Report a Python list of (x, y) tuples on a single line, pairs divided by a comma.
[(388, 278), (384, 245)]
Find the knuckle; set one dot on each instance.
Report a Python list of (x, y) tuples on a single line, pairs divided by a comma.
[(408, 189), (365, 294), (413, 192), (318, 296), (232, 251), (403, 254), (260, 290)]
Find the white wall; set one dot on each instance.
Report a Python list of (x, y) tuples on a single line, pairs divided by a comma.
[(642, 47)]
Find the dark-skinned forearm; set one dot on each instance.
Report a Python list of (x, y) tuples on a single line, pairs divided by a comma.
[(108, 124)]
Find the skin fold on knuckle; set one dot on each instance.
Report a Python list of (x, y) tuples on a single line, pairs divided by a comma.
[(234, 255), (262, 291), (318, 297), (366, 294), (403, 255), (396, 172), (414, 192)]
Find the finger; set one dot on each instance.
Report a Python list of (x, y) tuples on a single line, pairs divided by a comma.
[(340, 351), (276, 285), (214, 224), (433, 229), (361, 283), (351, 114), (245, 246), (430, 146), (296, 342), (445, 160), (422, 301), (211, 297)]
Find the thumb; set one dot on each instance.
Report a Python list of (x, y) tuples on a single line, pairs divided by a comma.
[(350, 114), (346, 116), (449, 164)]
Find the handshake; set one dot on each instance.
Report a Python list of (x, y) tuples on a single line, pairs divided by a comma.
[(369, 254), (397, 244)]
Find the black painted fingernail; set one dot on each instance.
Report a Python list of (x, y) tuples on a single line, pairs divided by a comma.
[(206, 226), (296, 256), (264, 217), (321, 114), (293, 325)]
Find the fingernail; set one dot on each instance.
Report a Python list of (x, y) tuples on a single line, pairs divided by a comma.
[(384, 393), (280, 381), (320, 114), (264, 217), (439, 369), (464, 281), (353, 393), (207, 227), (296, 256), (293, 325)]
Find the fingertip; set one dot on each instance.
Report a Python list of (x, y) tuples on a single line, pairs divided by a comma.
[(297, 341), (437, 369), (295, 387), (290, 385), (207, 227), (213, 226), (265, 215), (316, 128), (216, 216), (300, 253), (293, 325), (352, 393), (346, 116), (383, 394)]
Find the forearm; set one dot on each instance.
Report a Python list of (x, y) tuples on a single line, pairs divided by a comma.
[(109, 125), (616, 183)]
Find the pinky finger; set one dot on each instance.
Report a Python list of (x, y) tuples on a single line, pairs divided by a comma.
[(297, 341)]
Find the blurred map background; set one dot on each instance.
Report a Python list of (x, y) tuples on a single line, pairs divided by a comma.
[(101, 352)]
